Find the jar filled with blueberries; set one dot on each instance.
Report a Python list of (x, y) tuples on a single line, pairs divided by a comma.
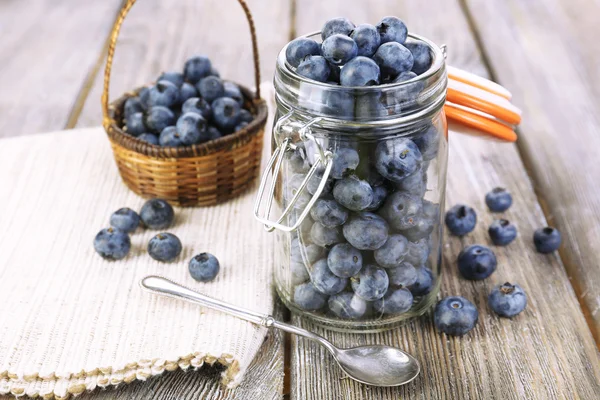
[(358, 175)]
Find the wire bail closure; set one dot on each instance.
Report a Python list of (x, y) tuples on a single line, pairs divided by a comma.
[(324, 159)]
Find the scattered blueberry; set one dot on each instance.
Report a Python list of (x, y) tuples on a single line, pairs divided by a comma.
[(366, 231), (360, 71), (367, 39), (298, 49), (345, 161), (329, 213), (347, 305), (352, 193), (308, 298), (392, 253), (547, 239), (502, 232), (344, 260), (393, 58), (455, 315), (461, 219), (380, 193), (402, 210), (197, 105), (315, 68), (476, 262), (196, 68), (164, 247), (169, 137), (396, 159), (424, 282), (395, 301), (404, 275), (135, 125), (371, 283), (324, 236), (233, 91), (324, 280), (392, 29), (339, 49), (157, 214), (498, 200), (125, 219), (421, 55), (192, 128), (164, 93), (149, 138), (342, 26), (132, 105), (158, 118), (112, 244), (507, 300), (175, 78), (204, 267), (226, 113), (210, 88)]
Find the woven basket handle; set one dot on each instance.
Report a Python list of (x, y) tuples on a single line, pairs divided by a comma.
[(113, 43)]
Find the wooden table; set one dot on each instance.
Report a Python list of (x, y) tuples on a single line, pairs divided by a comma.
[(52, 55)]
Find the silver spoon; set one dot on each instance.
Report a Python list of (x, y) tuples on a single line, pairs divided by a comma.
[(376, 365)]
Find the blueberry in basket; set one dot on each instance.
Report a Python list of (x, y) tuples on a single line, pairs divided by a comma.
[(190, 107)]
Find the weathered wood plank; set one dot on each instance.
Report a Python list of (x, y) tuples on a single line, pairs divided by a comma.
[(552, 70), (159, 36), (48, 48), (548, 351)]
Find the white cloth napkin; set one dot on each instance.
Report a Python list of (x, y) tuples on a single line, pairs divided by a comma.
[(71, 321)]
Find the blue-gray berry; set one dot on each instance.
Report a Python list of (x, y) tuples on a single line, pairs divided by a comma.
[(164, 247), (125, 219), (157, 214), (204, 267), (112, 243)]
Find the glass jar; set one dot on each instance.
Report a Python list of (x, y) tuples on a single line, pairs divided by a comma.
[(358, 185)]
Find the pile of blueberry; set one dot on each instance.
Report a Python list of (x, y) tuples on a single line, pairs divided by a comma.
[(188, 108), (114, 243), (456, 315), (363, 55)]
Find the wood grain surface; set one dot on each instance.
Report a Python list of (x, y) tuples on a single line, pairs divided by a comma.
[(554, 74), (159, 36), (48, 48), (546, 352)]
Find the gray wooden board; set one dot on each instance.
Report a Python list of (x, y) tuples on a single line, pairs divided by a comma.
[(546, 352), (48, 48), (547, 54)]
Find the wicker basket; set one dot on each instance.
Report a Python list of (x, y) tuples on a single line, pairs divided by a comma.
[(198, 175)]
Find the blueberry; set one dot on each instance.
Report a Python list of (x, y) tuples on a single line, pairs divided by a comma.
[(404, 275), (547, 239), (149, 138), (324, 236), (507, 300), (233, 91), (308, 298), (176, 78), (339, 49), (164, 247), (424, 282), (125, 219), (157, 214), (461, 219), (192, 128), (298, 271), (371, 283), (298, 49), (132, 105), (406, 95), (226, 113), (214, 72), (360, 71), (345, 161), (421, 56), (418, 252), (245, 116), (324, 280), (392, 29), (240, 126), (344, 260), (329, 213), (170, 138), (210, 88), (347, 305), (366, 231), (380, 193), (415, 183), (164, 93), (393, 58), (197, 105), (305, 254), (422, 228), (112, 244), (401, 210), (367, 39), (455, 315), (297, 159), (196, 68), (204, 267), (187, 91), (353, 193), (428, 142), (134, 125), (158, 118), (213, 133), (292, 187), (338, 103), (315, 68), (476, 262), (144, 95), (498, 200), (396, 301), (431, 210), (340, 25), (372, 177), (392, 253), (502, 232), (396, 159), (313, 183)]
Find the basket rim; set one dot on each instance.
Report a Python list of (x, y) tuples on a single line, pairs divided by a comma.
[(227, 142)]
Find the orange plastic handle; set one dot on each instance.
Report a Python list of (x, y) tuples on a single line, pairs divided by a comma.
[(476, 103), (481, 123)]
